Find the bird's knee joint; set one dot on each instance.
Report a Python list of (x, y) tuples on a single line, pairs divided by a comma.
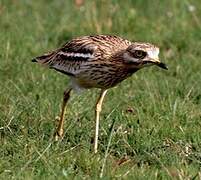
[(98, 108)]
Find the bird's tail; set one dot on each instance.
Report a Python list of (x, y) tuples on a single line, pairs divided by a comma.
[(45, 59)]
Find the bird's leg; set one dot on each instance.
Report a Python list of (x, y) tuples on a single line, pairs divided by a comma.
[(60, 128), (97, 114)]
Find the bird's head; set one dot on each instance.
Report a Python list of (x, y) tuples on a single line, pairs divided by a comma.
[(139, 55)]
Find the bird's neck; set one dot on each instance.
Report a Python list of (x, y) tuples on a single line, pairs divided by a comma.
[(131, 70)]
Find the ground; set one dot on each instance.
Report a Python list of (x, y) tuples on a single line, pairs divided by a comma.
[(150, 124)]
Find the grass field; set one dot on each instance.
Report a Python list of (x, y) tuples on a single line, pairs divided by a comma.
[(156, 113)]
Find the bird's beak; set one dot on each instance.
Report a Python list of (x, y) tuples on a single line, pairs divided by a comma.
[(159, 63), (162, 65)]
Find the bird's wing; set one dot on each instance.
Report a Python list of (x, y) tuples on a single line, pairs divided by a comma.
[(69, 58)]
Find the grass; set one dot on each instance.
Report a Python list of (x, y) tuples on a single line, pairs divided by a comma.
[(156, 114)]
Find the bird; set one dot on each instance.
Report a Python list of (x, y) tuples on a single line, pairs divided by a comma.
[(98, 61)]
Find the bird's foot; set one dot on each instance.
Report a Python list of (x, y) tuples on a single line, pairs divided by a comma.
[(59, 135)]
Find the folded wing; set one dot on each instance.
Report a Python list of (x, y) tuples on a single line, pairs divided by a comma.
[(69, 58)]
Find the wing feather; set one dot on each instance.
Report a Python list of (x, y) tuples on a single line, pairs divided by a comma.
[(69, 58)]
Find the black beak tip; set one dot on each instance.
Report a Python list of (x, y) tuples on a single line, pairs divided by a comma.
[(163, 65)]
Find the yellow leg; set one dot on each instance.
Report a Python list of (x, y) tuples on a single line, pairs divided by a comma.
[(60, 129), (97, 114)]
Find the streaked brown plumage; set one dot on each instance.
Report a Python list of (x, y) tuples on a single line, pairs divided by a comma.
[(99, 61)]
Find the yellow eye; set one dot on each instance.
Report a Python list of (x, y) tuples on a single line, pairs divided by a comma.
[(139, 54)]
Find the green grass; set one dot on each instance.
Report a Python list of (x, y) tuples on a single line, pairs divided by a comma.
[(159, 139)]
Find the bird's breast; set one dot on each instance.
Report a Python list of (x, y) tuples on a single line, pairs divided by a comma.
[(102, 76)]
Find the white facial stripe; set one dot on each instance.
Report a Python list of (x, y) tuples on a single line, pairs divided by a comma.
[(153, 54), (129, 58)]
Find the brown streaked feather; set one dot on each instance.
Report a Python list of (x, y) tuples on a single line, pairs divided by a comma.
[(70, 57), (44, 59)]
